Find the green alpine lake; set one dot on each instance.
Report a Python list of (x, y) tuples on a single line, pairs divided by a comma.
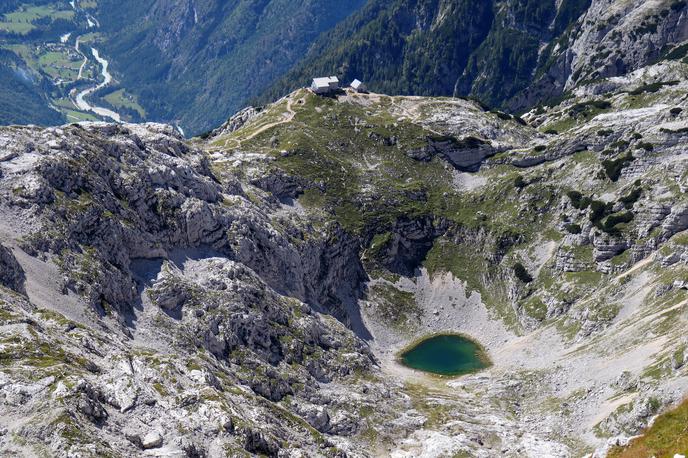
[(445, 354)]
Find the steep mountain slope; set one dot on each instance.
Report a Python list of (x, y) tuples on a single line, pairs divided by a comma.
[(248, 293), (136, 316), (402, 46), (181, 58), (508, 53), (52, 71), (22, 100), (170, 61)]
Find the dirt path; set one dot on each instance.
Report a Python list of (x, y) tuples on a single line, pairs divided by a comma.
[(287, 117), (609, 406), (639, 265), (290, 116), (663, 311)]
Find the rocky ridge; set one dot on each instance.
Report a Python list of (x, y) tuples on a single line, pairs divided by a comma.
[(247, 293)]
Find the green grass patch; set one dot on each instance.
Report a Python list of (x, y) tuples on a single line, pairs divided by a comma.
[(585, 278), (395, 307), (22, 20), (535, 308), (652, 87), (120, 99)]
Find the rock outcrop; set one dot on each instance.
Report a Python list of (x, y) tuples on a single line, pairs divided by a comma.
[(11, 274), (160, 254)]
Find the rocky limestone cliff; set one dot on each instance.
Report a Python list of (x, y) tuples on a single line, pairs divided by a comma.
[(610, 39), (174, 284)]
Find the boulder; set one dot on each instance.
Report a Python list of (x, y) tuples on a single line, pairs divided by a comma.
[(153, 439), (318, 418)]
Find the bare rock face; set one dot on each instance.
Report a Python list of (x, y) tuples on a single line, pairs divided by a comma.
[(611, 39), (11, 274), (153, 439), (632, 34), (159, 251), (89, 402), (256, 443), (408, 244), (676, 221), (236, 121), (466, 154), (653, 216), (170, 199), (281, 185), (318, 417), (607, 247)]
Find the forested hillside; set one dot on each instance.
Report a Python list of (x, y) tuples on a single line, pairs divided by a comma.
[(21, 99), (198, 61), (488, 49)]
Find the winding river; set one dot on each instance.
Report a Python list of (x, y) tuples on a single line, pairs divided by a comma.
[(80, 100)]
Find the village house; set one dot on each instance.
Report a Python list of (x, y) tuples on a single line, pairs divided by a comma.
[(325, 85)]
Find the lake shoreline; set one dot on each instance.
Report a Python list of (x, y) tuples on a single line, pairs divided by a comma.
[(479, 353)]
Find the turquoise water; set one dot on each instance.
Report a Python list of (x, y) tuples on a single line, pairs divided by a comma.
[(445, 355)]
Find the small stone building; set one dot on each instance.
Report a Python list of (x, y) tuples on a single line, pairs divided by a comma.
[(325, 85)]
